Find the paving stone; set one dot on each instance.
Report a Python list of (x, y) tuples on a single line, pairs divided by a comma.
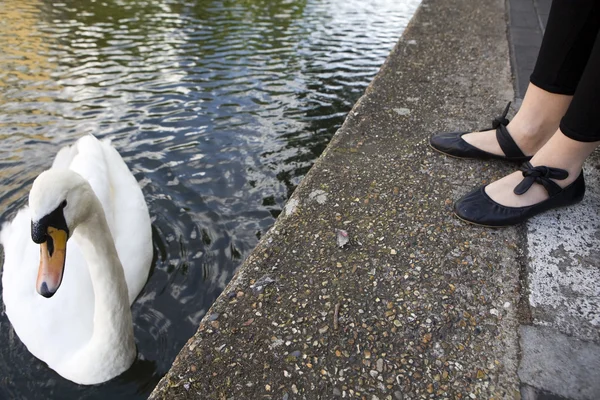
[(564, 264), (530, 393), (543, 10), (528, 37), (525, 16), (527, 21), (559, 364), (525, 58)]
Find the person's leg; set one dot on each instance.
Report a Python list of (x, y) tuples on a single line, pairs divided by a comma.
[(571, 30), (575, 140), (535, 122)]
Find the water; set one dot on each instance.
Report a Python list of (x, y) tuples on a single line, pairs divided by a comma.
[(219, 107)]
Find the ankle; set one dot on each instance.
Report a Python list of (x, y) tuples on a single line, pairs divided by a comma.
[(551, 157), (531, 135), (540, 114), (573, 168)]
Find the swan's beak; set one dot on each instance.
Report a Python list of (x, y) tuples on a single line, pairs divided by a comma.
[(53, 254)]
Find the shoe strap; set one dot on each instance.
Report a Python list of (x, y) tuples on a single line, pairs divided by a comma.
[(501, 120), (506, 142), (542, 175)]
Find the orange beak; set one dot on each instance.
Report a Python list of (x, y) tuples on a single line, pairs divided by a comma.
[(53, 254)]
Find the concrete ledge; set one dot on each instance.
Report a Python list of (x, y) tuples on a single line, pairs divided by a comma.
[(417, 304)]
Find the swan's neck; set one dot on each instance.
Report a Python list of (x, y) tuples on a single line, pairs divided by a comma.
[(113, 327)]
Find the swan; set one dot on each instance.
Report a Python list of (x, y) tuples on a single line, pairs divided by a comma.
[(89, 203)]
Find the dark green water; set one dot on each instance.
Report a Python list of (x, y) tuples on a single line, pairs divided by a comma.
[(219, 107)]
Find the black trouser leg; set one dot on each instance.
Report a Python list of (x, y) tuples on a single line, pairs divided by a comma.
[(569, 63), (570, 35), (582, 120)]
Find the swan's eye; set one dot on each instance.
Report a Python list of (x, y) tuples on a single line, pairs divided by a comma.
[(63, 204)]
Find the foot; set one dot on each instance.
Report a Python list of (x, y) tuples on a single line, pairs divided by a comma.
[(532, 126), (477, 207), (560, 152), (502, 190), (552, 179), (529, 139)]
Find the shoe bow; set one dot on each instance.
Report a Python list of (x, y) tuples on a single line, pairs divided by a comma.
[(541, 175)]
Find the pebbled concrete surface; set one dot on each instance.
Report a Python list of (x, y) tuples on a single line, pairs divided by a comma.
[(416, 304)]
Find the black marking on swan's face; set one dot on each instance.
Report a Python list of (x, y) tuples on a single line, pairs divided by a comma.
[(55, 219)]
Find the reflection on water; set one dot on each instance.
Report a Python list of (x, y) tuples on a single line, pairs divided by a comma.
[(218, 106)]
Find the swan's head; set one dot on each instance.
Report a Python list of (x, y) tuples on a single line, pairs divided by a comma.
[(59, 200)]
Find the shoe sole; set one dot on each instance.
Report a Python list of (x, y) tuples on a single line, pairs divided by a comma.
[(478, 158), (520, 223), (482, 225), (450, 155)]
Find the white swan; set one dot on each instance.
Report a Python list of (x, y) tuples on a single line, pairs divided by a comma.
[(83, 330)]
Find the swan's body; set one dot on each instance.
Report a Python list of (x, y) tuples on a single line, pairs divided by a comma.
[(84, 331)]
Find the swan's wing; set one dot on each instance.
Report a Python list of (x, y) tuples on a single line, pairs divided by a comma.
[(51, 328), (16, 249), (89, 162), (64, 157), (124, 206), (132, 229)]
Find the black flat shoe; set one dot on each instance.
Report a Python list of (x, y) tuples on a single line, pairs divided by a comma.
[(478, 208), (454, 145)]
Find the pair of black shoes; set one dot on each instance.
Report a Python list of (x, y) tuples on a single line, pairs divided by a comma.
[(478, 208)]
